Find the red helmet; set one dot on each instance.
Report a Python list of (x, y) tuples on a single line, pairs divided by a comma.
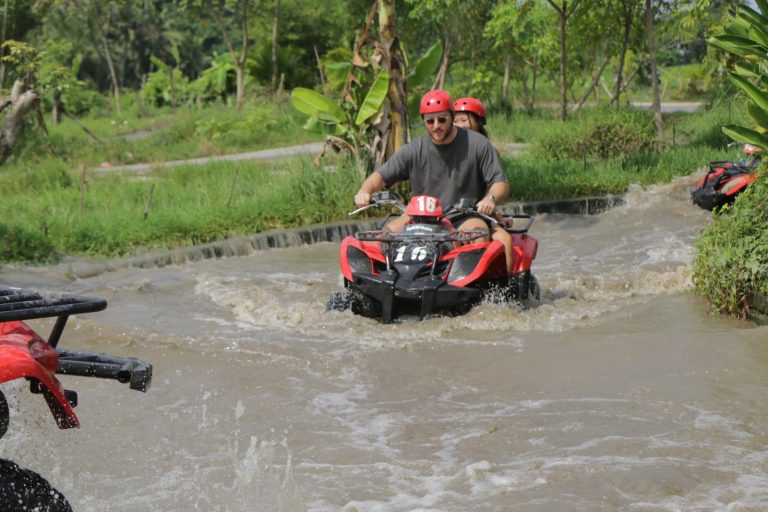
[(435, 101), (470, 105)]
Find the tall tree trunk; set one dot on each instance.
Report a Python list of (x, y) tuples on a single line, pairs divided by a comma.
[(595, 81), (444, 64), (238, 60), (58, 107), (2, 50), (564, 14), (654, 76), (112, 73), (534, 77), (275, 33), (22, 102), (617, 85), (563, 66), (394, 63), (505, 82)]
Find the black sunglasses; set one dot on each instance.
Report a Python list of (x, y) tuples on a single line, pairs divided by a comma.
[(431, 120)]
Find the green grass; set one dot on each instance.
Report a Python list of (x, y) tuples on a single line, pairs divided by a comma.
[(731, 259), (115, 215), (532, 178)]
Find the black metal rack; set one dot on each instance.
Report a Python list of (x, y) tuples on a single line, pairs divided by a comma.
[(24, 304)]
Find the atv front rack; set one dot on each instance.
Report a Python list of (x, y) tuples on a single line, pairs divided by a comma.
[(390, 237), (20, 304)]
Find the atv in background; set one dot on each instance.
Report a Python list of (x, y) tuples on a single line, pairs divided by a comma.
[(725, 180), (24, 354)]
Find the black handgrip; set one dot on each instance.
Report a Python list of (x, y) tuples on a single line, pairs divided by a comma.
[(136, 373)]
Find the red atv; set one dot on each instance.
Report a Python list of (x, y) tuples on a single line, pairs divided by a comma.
[(430, 267), (25, 354), (725, 180)]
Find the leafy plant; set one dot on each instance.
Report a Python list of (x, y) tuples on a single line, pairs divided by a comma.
[(731, 259), (746, 40)]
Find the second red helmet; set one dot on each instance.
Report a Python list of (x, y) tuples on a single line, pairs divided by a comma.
[(436, 100), (470, 105)]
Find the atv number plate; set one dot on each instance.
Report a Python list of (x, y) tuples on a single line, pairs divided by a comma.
[(412, 253)]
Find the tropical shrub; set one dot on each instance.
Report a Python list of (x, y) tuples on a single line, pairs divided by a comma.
[(597, 134), (731, 259)]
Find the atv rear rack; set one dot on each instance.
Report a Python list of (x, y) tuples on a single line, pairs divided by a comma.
[(18, 304)]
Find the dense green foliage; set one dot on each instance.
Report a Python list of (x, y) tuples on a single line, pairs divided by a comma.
[(732, 252), (731, 261), (598, 134)]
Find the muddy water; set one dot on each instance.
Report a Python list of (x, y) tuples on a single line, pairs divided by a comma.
[(618, 392)]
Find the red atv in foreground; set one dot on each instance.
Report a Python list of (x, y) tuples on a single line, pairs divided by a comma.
[(725, 180), (25, 354), (430, 267)]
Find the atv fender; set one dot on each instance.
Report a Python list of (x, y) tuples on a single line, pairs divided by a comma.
[(23, 353)]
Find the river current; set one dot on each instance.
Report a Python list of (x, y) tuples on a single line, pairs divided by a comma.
[(619, 391)]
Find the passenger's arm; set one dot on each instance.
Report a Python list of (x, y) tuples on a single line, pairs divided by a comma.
[(373, 183), (497, 192)]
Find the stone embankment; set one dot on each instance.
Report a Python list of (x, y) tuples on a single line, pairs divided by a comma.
[(284, 238)]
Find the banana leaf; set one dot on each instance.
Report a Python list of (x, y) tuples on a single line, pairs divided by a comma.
[(752, 16), (739, 45), (758, 34), (759, 115), (742, 134), (338, 71), (424, 69), (374, 99), (760, 97), (313, 103)]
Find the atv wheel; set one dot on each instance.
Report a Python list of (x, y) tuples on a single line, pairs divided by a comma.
[(364, 306), (534, 290), (339, 301), (24, 490)]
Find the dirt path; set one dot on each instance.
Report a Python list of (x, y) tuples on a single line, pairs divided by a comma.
[(316, 147)]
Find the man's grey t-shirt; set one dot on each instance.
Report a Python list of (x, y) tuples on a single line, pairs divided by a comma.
[(465, 168)]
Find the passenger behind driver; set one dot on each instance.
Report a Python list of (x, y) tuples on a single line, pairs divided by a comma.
[(470, 114)]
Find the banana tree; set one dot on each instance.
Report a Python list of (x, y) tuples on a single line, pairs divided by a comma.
[(746, 40), (369, 119)]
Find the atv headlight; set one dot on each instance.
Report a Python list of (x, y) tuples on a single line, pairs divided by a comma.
[(358, 261), (464, 264)]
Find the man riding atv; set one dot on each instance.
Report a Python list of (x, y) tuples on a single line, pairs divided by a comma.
[(448, 162)]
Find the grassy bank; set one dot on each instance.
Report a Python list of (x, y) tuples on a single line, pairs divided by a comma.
[(732, 252), (166, 135), (119, 215), (54, 205)]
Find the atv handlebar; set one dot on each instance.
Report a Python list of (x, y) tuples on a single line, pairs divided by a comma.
[(136, 373)]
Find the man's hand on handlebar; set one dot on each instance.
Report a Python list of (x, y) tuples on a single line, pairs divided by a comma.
[(362, 199), (486, 206)]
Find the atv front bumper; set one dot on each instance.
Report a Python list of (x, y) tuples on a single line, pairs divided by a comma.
[(422, 297)]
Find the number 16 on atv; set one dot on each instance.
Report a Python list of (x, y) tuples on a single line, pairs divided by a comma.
[(430, 267)]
